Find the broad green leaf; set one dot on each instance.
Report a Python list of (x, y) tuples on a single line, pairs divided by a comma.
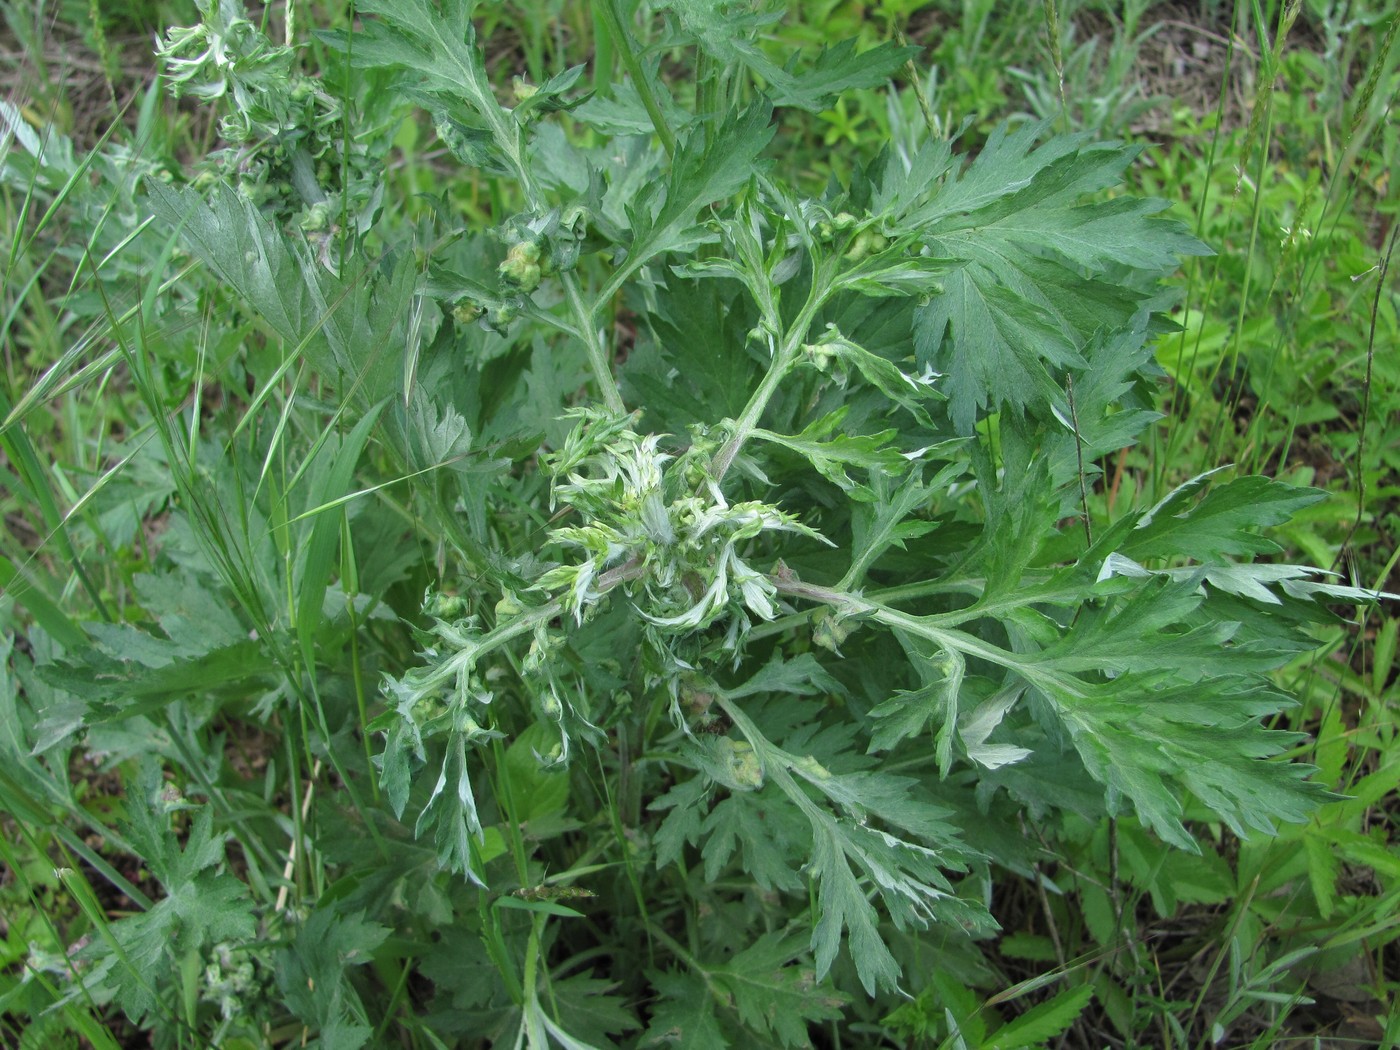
[(535, 791), (760, 830), (1153, 741), (585, 1007), (994, 346), (120, 687)]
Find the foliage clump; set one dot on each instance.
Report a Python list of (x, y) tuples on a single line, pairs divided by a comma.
[(766, 604)]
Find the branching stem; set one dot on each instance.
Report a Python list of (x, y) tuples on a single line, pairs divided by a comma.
[(928, 627), (472, 651), (598, 356), (783, 360)]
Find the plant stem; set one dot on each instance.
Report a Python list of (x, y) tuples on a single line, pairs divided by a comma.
[(471, 652), (623, 39), (783, 359), (929, 628), (506, 132), (593, 343)]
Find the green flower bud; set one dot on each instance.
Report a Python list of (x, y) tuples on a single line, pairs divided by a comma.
[(503, 315), (521, 267), (316, 218), (302, 89), (445, 606), (830, 631), (864, 242), (743, 764), (467, 311), (695, 696)]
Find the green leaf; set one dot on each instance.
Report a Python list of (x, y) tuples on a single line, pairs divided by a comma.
[(830, 453), (331, 479), (995, 347), (585, 1008), (200, 906), (624, 113), (711, 164), (685, 1015), (907, 712), (559, 911), (837, 70), (1219, 524), (842, 905), (451, 810), (837, 354), (121, 685), (313, 973), (801, 675), (726, 28), (683, 823), (774, 997), (1153, 741), (1013, 319), (192, 615), (770, 838), (535, 791), (436, 40), (1147, 631), (885, 522), (1042, 1023), (343, 324)]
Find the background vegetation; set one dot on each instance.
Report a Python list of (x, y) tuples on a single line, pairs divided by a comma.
[(1270, 129)]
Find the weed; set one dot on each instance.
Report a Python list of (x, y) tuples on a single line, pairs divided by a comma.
[(579, 588)]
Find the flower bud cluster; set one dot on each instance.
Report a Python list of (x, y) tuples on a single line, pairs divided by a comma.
[(856, 237)]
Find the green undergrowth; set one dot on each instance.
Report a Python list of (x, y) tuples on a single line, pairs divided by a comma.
[(696, 524)]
